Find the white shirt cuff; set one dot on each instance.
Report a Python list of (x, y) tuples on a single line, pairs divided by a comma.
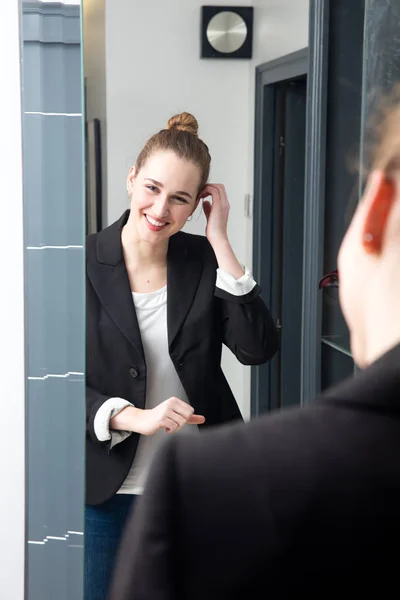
[(236, 287), (101, 425)]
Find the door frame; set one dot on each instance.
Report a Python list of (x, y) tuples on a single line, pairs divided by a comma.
[(314, 193), (288, 67)]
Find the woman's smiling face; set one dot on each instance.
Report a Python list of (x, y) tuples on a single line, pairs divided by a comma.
[(163, 196)]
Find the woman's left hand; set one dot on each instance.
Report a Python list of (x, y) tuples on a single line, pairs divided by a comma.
[(216, 212)]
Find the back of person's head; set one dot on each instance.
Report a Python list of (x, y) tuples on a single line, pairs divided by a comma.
[(369, 259), (181, 137)]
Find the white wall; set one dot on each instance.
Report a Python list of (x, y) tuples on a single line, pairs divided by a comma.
[(280, 27), (12, 350), (153, 70)]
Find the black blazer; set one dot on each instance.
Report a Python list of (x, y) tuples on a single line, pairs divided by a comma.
[(200, 319), (306, 501)]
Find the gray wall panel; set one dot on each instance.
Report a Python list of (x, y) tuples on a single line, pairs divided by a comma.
[(54, 281), (50, 71), (53, 180)]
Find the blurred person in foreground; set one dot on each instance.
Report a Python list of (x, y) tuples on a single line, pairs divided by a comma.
[(306, 500)]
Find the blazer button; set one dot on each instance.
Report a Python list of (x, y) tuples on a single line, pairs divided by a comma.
[(181, 364), (133, 372)]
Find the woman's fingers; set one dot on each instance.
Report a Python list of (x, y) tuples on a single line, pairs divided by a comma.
[(217, 193), (207, 208), (196, 420), (181, 408), (206, 191), (169, 425), (177, 414)]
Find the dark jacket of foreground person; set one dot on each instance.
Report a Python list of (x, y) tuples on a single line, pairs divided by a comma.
[(303, 501)]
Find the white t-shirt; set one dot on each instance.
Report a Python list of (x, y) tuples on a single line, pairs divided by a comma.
[(162, 380)]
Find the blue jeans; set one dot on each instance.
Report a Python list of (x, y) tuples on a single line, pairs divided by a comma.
[(104, 526)]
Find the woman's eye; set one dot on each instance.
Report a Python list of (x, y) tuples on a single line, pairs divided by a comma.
[(152, 188), (180, 200)]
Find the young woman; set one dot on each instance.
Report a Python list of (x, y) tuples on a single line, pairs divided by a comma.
[(160, 304)]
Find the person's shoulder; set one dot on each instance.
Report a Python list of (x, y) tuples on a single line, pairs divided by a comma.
[(91, 239), (248, 458), (266, 429), (105, 244), (317, 435), (289, 439), (366, 402)]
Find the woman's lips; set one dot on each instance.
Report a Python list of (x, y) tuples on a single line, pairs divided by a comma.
[(154, 224)]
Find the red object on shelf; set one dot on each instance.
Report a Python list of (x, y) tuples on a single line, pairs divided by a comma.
[(330, 280)]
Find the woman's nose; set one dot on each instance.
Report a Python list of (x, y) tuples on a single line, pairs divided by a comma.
[(160, 207)]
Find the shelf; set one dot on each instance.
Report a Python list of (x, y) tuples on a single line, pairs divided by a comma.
[(338, 342)]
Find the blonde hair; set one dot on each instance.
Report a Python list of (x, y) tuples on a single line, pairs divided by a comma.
[(181, 136)]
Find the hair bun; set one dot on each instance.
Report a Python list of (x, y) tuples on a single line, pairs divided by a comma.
[(184, 122)]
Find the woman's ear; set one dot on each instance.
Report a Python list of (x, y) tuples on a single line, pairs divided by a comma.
[(380, 198), (129, 181), (199, 198), (203, 193), (196, 204)]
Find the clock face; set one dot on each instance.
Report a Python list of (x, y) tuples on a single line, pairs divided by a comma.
[(226, 32)]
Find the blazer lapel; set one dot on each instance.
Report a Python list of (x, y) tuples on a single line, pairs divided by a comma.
[(184, 270), (109, 278)]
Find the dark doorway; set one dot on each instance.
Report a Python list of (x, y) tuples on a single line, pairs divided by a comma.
[(281, 92)]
